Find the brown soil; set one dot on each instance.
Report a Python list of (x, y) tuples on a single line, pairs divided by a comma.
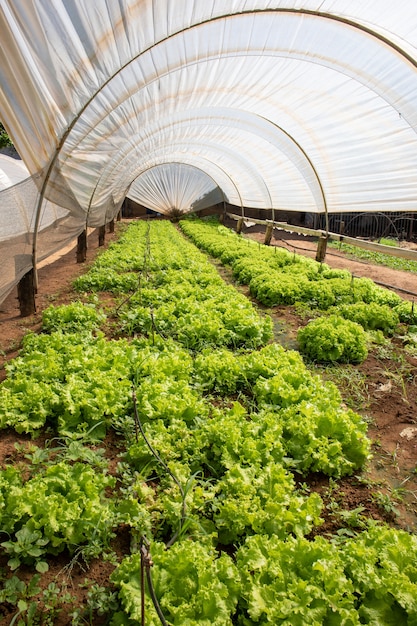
[(384, 395)]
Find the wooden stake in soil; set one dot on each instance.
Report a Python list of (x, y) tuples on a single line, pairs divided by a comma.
[(321, 249), (239, 225), (82, 247), (101, 235), (26, 294), (268, 234), (111, 226)]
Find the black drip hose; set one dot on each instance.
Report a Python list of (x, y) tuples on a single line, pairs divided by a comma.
[(146, 561), (145, 565), (162, 463)]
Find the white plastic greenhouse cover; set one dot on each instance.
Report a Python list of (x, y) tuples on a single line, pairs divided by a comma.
[(298, 105), (18, 197)]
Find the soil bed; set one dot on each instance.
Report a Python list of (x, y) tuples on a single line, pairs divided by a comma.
[(382, 389)]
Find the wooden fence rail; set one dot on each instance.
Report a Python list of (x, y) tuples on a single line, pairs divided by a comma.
[(402, 253)]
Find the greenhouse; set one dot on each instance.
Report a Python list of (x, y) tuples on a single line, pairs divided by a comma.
[(208, 333)]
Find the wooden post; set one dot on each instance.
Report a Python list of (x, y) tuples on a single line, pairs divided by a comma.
[(223, 213), (111, 226), (239, 225), (101, 235), (268, 234), (26, 294), (82, 247), (321, 249), (119, 216)]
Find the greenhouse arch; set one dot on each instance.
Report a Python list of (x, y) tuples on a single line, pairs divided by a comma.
[(208, 223), (317, 99), (167, 187)]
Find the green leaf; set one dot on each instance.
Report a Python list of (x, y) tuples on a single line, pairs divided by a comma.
[(13, 563), (42, 567), (22, 605)]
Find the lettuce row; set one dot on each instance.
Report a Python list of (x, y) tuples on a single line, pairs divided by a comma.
[(276, 276), (370, 579), (80, 384), (175, 291), (63, 506)]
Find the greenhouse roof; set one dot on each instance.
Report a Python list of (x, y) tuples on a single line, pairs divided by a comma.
[(299, 105)]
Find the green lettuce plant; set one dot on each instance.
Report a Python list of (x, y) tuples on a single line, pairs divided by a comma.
[(74, 317), (193, 584), (63, 506), (333, 339), (371, 316), (368, 579)]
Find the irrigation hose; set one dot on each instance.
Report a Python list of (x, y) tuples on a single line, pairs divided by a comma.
[(146, 256), (145, 557), (138, 424), (142, 587), (145, 566)]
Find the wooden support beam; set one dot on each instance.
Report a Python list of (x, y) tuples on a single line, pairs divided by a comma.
[(26, 294), (111, 226), (82, 247), (268, 234), (239, 225), (119, 216), (402, 253), (321, 249), (101, 235)]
